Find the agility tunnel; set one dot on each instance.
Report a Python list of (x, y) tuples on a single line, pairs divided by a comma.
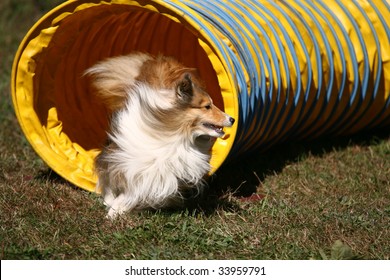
[(291, 69)]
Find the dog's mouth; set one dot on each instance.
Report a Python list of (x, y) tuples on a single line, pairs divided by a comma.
[(218, 129)]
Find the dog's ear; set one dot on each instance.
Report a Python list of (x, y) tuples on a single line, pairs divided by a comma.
[(184, 89)]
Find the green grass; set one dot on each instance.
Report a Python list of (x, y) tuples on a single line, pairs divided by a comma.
[(321, 200)]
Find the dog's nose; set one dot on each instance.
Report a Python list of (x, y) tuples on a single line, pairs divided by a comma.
[(232, 120)]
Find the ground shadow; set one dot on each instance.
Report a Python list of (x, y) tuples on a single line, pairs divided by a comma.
[(242, 176), (49, 175)]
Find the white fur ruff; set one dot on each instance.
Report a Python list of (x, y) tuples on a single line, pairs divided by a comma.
[(154, 166)]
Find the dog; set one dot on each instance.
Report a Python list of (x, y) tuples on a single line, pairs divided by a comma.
[(162, 128)]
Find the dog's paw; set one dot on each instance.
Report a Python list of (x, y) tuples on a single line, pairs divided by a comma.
[(112, 214)]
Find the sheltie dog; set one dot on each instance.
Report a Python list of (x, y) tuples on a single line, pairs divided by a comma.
[(162, 128)]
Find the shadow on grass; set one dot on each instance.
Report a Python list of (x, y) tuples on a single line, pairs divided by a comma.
[(49, 175), (243, 175)]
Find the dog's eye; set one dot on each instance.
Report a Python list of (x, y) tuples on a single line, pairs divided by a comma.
[(208, 107)]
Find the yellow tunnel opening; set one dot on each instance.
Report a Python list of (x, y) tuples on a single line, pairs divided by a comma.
[(56, 107)]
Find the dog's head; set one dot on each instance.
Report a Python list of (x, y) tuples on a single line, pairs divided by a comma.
[(192, 107), (202, 116)]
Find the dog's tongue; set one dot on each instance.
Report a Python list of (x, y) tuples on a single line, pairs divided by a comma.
[(218, 129)]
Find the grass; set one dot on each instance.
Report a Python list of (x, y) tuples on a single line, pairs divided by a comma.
[(328, 199)]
